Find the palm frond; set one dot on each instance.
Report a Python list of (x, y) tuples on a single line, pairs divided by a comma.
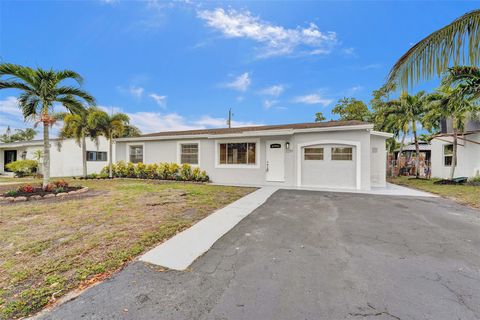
[(435, 53), (14, 85), (73, 105), (26, 74), (72, 91), (69, 74)]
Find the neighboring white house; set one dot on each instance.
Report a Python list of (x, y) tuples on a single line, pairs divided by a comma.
[(64, 162), (468, 152), (468, 159), (334, 154)]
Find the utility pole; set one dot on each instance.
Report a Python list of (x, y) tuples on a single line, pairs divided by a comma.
[(229, 121)]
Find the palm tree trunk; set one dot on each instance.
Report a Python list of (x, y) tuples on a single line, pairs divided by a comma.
[(46, 155), (454, 154), (84, 156), (400, 153), (417, 150), (110, 171)]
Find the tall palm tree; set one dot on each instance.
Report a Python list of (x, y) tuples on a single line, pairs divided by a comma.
[(408, 111), (433, 55), (41, 89), (111, 126), (391, 120), (451, 103), (78, 127), (467, 78)]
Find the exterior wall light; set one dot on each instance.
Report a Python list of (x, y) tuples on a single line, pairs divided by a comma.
[(287, 145)]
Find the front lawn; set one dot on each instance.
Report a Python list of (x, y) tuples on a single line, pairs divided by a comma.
[(50, 246), (464, 194)]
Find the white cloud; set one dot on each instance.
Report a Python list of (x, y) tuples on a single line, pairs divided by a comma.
[(108, 1), (274, 91), (240, 83), (269, 103), (160, 100), (349, 51), (210, 122), (276, 40), (137, 92), (313, 98), (149, 122), (10, 106)]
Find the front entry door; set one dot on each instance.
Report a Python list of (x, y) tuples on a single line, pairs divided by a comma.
[(275, 165), (9, 156)]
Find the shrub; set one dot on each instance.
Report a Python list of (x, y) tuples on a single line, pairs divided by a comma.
[(50, 187), (11, 193), (23, 168), (59, 190), (475, 181), (27, 188), (61, 184), (185, 172), (163, 171)]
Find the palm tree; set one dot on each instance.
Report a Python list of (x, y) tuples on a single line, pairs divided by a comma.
[(111, 126), (391, 120), (41, 90), (467, 78), (131, 131), (451, 103), (408, 111), (78, 127), (432, 55)]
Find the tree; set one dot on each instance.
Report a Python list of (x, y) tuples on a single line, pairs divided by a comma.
[(319, 117), (433, 55), (111, 127), (450, 103), (352, 109), (130, 131), (41, 89), (20, 135), (78, 127), (388, 118), (467, 78)]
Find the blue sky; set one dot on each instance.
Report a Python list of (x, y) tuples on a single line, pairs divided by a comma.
[(181, 65)]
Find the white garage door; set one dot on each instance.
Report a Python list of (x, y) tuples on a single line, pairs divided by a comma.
[(329, 166)]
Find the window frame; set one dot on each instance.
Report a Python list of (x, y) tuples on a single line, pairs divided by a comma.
[(341, 147), (312, 147), (133, 144), (444, 155), (179, 151), (96, 156), (238, 166)]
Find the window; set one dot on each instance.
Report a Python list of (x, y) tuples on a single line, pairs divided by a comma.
[(448, 155), (238, 153), (342, 153), (189, 153), (136, 154), (313, 154), (96, 156)]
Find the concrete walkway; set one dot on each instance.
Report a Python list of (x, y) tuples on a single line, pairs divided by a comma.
[(180, 251)]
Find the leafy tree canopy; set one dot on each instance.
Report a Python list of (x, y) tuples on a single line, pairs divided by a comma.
[(19, 135), (319, 117), (352, 109)]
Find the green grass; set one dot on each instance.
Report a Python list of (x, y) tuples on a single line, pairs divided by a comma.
[(49, 247), (464, 194)]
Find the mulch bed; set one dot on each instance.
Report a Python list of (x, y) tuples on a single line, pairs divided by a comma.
[(40, 192)]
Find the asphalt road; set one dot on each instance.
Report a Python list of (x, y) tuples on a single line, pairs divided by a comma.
[(313, 255)]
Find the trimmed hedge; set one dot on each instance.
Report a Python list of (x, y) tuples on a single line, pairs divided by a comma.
[(160, 171), (23, 168)]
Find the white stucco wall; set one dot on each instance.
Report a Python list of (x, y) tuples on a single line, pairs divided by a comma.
[(378, 161), (468, 157), (167, 150), (67, 161)]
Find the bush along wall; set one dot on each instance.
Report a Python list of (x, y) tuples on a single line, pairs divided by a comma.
[(160, 171), (23, 168)]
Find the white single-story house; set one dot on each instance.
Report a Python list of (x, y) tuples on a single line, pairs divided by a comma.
[(64, 162), (468, 152), (333, 154)]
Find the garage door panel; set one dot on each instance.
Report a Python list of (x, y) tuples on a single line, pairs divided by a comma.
[(322, 171)]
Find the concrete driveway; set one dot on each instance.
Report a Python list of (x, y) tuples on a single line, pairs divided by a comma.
[(313, 255)]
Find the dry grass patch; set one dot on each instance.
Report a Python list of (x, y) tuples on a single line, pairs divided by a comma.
[(464, 194), (48, 247)]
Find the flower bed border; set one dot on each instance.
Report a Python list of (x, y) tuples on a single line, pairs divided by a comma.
[(39, 197)]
